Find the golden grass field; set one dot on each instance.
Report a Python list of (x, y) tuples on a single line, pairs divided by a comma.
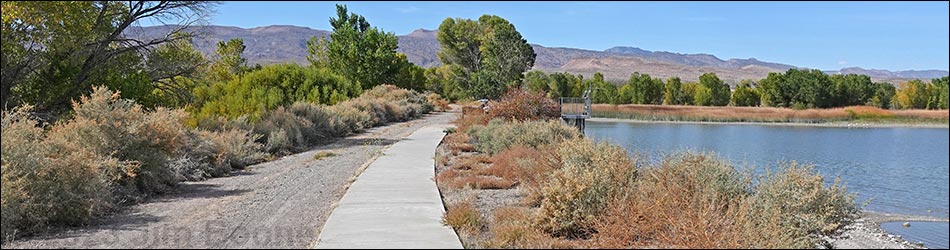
[(766, 114)]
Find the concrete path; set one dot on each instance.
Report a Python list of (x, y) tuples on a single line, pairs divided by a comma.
[(395, 202)]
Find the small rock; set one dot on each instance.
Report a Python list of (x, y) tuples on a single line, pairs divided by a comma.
[(906, 224)]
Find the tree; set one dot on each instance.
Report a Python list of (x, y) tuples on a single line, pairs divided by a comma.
[(883, 93), (942, 96), (409, 76), (358, 51), (447, 80), (689, 92), (645, 89), (851, 89), (230, 60), (54, 52), (537, 81), (745, 95), (317, 52), (714, 92), (175, 67), (490, 50), (673, 93), (602, 91), (561, 85), (911, 95), (774, 91)]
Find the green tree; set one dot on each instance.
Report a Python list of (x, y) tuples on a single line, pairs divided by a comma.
[(602, 91), (673, 93), (447, 80), (176, 68), (53, 52), (230, 61), (317, 52), (774, 91), (851, 89), (883, 94), (491, 51), (942, 96), (714, 91), (409, 76), (561, 85), (645, 89), (358, 51), (745, 95), (537, 81), (689, 92)]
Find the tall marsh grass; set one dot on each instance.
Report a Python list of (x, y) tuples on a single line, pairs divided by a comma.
[(765, 114)]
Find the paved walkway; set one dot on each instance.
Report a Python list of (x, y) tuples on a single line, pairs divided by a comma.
[(395, 202)]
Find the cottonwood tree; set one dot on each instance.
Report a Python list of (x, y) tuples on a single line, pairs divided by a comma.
[(357, 50), (492, 52), (55, 51)]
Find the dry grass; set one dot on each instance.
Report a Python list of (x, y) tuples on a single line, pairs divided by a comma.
[(512, 227), (459, 142), (463, 217), (588, 176), (438, 103), (323, 154), (689, 201), (468, 171), (471, 116), (761, 114), (530, 167)]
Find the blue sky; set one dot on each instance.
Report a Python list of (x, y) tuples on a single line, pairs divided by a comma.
[(823, 35)]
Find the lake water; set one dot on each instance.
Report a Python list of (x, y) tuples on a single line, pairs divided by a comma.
[(932, 234), (898, 170)]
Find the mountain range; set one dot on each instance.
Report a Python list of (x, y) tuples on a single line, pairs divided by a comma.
[(286, 43)]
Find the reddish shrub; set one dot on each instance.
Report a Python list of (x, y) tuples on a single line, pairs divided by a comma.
[(522, 105)]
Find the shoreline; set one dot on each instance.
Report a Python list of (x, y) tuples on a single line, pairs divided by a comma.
[(784, 124), (866, 232)]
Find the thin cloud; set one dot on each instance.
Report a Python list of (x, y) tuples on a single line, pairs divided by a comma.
[(842, 62)]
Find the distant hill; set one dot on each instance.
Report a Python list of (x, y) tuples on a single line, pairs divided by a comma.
[(286, 43)]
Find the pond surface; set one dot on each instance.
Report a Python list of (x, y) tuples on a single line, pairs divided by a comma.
[(896, 170), (932, 234)]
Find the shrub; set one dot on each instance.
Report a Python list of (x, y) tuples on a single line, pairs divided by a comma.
[(284, 131), (349, 119), (522, 105), (111, 151), (463, 217), (112, 127), (792, 208), (590, 174), (271, 87), (437, 102), (688, 201), (47, 181), (499, 135), (528, 166), (459, 142), (512, 228)]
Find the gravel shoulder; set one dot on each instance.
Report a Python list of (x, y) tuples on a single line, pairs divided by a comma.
[(277, 204)]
